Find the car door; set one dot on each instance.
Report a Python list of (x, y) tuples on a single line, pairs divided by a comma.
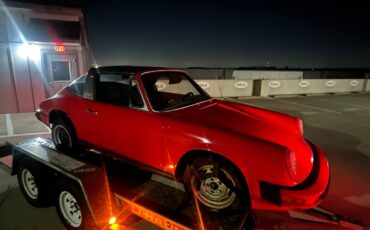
[(128, 130), (76, 105)]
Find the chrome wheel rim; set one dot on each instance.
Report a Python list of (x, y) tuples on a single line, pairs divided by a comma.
[(70, 209), (212, 191), (29, 184), (61, 136)]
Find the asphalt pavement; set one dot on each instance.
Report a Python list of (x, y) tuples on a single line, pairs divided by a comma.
[(340, 124)]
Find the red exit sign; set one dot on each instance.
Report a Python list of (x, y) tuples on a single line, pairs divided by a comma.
[(59, 48)]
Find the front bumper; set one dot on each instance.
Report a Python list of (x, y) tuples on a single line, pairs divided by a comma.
[(306, 195)]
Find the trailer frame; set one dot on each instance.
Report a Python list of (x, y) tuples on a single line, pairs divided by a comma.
[(110, 203)]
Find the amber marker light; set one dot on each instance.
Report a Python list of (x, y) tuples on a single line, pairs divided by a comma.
[(114, 226), (112, 223), (170, 168), (112, 220)]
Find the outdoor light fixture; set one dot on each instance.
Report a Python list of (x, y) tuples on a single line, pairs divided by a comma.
[(29, 50)]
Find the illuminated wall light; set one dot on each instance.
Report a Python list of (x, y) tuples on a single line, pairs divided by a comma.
[(31, 51)]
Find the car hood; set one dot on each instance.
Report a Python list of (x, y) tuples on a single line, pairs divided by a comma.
[(248, 121), (244, 119)]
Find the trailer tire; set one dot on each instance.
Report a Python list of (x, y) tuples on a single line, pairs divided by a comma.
[(34, 183), (71, 206)]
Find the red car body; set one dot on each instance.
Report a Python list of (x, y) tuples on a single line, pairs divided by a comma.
[(281, 168)]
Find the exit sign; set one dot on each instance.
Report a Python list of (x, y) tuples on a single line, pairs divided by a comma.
[(59, 48)]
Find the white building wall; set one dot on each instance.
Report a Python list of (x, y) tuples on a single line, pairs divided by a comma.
[(266, 74)]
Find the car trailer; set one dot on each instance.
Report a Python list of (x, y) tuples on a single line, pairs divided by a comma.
[(95, 190)]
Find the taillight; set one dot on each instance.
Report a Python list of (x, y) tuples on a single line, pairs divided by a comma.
[(291, 162)]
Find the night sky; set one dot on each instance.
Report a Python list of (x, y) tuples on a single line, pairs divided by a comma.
[(307, 34)]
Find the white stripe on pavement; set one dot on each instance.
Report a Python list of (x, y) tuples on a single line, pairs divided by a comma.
[(305, 216), (351, 109), (309, 106), (340, 102), (25, 134), (9, 124), (361, 200), (309, 113)]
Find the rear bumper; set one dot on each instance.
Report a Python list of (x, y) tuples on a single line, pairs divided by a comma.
[(38, 114), (306, 195), (42, 117)]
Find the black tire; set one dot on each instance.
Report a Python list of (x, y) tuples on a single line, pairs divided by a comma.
[(225, 209), (34, 183), (64, 135), (71, 206)]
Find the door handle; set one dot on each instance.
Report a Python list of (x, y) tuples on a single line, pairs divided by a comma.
[(91, 111)]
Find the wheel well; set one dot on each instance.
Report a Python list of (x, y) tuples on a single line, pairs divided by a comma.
[(190, 156), (55, 115)]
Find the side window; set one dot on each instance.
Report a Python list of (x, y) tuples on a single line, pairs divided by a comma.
[(77, 86), (136, 99), (113, 89)]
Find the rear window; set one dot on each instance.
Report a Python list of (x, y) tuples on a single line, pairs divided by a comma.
[(77, 86)]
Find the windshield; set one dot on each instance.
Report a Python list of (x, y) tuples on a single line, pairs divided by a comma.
[(169, 90)]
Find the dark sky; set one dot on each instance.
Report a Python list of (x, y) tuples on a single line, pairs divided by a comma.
[(213, 33)]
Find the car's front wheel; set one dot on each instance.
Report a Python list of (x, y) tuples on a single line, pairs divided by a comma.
[(219, 193), (64, 136)]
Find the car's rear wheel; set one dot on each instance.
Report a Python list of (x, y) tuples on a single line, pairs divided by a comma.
[(64, 136)]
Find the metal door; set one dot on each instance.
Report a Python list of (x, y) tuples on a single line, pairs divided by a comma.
[(61, 69)]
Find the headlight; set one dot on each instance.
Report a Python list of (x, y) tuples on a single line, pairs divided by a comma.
[(300, 126), (291, 163)]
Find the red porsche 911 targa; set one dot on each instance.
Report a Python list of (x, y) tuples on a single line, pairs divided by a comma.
[(230, 155)]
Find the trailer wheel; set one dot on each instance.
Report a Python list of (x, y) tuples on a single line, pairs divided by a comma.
[(72, 207), (33, 182), (63, 135)]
